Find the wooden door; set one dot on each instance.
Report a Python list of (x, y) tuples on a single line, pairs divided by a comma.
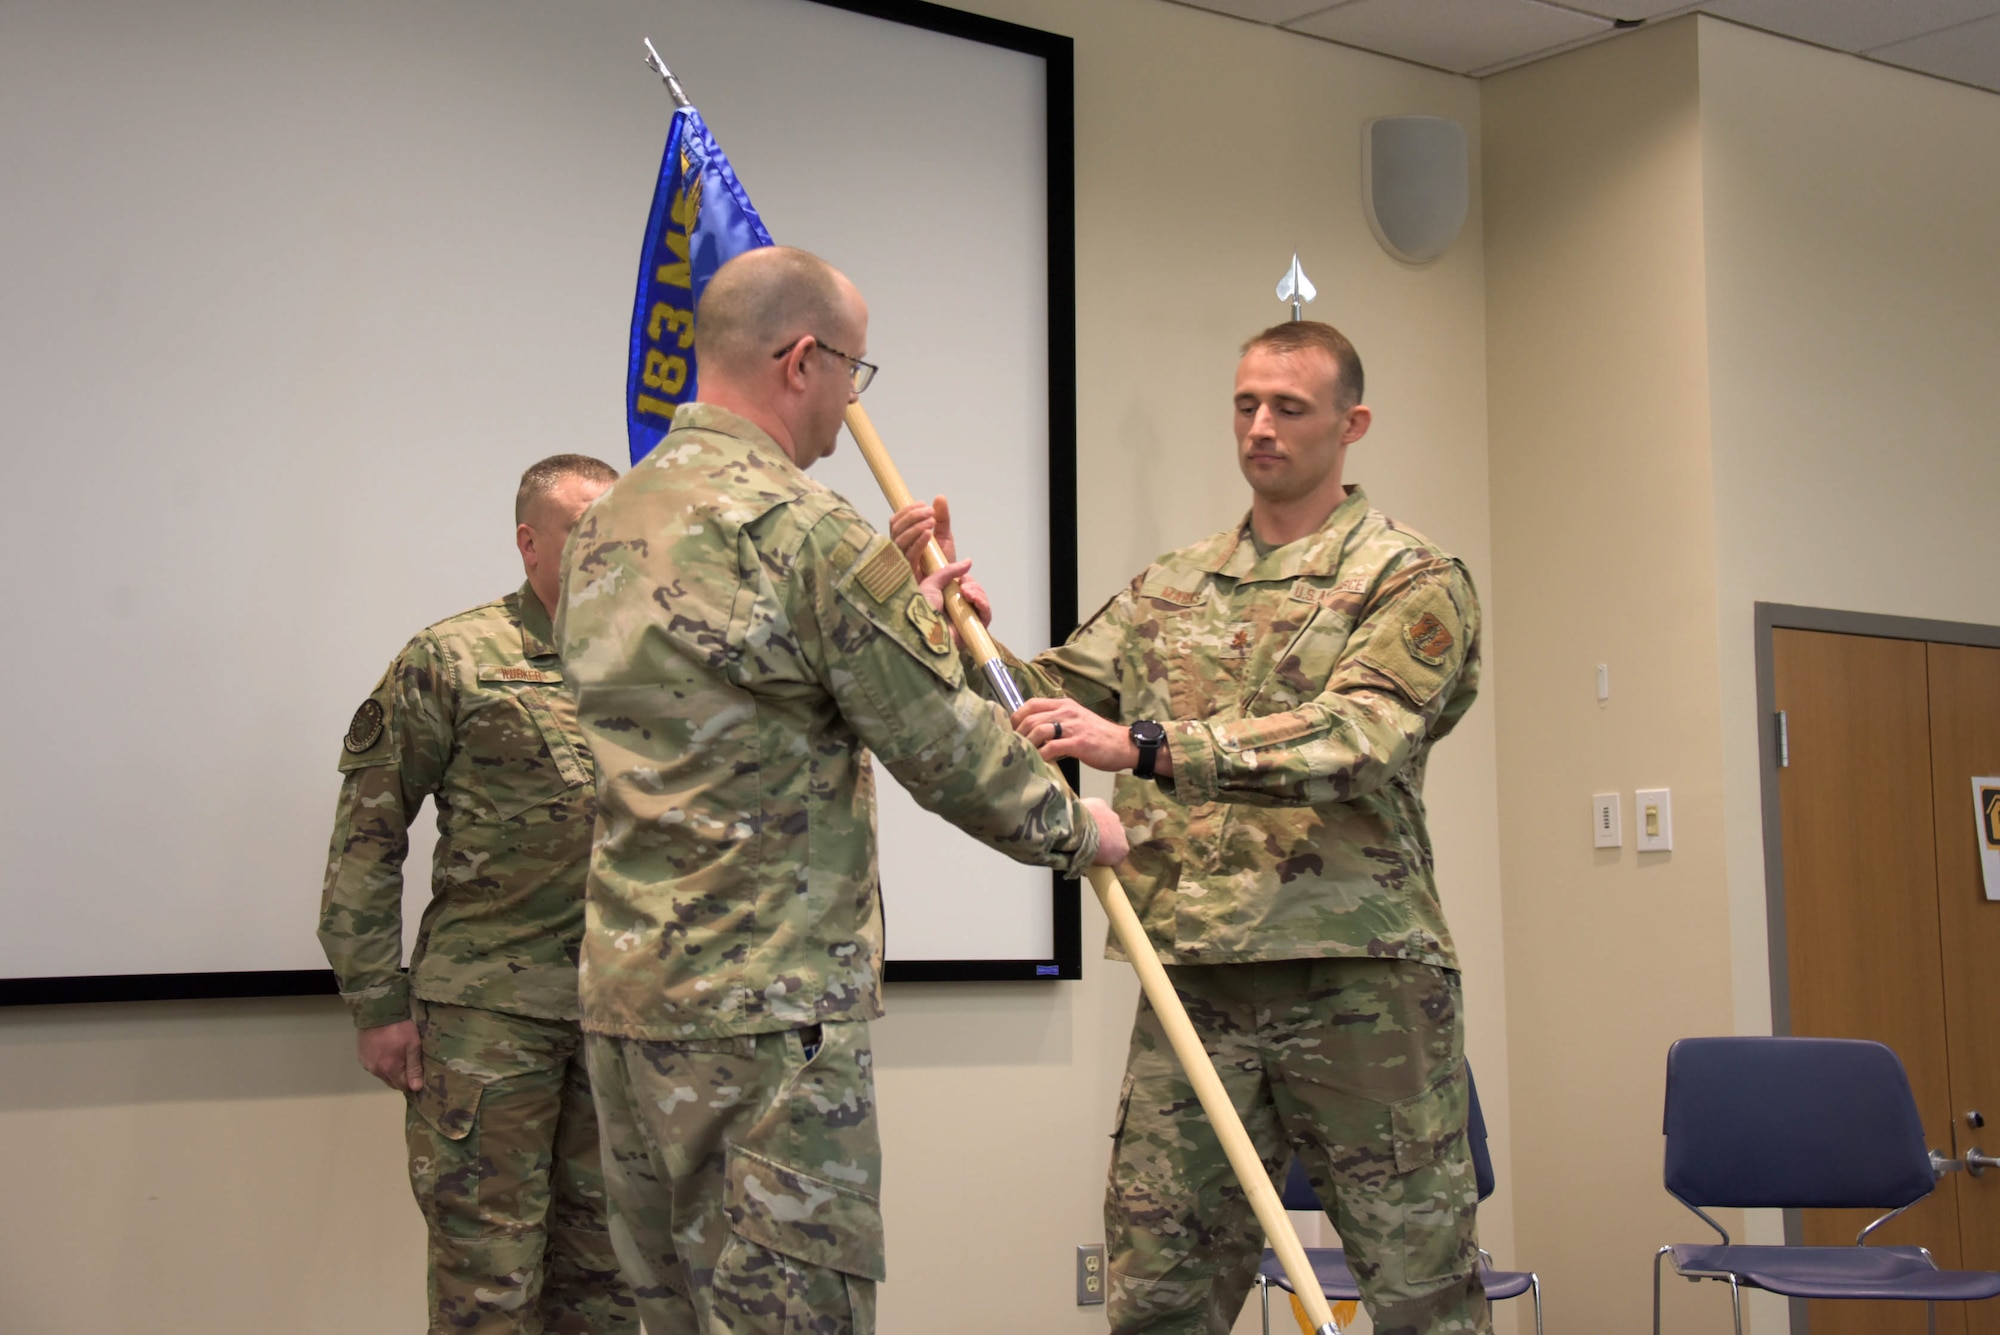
[(1862, 931), (1965, 742)]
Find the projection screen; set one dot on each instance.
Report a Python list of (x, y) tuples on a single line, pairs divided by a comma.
[(295, 291)]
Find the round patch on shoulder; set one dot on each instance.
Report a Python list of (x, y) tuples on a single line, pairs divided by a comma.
[(366, 729)]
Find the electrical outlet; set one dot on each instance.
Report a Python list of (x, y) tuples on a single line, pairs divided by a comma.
[(1606, 827), (1090, 1274), (1655, 815)]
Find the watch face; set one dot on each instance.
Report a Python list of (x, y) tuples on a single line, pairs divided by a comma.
[(1148, 733)]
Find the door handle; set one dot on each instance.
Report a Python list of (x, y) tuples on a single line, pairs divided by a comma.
[(1977, 1162)]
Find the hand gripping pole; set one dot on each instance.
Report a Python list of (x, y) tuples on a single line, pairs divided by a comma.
[(1159, 989)]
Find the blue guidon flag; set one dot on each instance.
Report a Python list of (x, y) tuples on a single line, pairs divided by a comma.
[(700, 219)]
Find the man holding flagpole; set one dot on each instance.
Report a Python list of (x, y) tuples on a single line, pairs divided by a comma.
[(1268, 699), (740, 641)]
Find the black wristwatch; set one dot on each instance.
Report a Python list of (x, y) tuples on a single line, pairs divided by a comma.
[(1149, 737)]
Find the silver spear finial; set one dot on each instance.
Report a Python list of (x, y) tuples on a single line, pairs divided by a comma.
[(659, 67), (1296, 288)]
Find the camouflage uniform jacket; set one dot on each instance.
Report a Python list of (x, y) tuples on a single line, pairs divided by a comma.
[(1301, 691), (740, 640), (474, 713)]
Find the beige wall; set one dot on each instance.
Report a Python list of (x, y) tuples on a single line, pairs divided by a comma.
[(1740, 348), (222, 1168), (1853, 278), (1603, 541)]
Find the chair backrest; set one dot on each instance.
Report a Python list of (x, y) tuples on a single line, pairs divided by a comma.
[(1807, 1122), (1298, 1194)]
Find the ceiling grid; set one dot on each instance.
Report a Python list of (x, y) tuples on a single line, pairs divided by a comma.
[(1952, 39)]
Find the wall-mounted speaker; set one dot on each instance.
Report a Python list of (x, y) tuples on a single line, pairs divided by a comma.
[(1415, 184)]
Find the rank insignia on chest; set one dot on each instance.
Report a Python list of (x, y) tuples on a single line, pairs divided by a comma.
[(365, 729), (1429, 639)]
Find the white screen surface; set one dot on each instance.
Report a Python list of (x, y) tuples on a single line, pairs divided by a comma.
[(294, 293)]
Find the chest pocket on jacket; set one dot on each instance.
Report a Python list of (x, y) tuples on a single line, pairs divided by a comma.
[(515, 744), (1308, 645)]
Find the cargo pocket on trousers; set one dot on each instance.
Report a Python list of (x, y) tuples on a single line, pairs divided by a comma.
[(441, 1117), (814, 1221), (1435, 1174)]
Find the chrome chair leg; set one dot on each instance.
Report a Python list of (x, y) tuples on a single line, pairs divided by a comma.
[(1736, 1303), (1535, 1288), (1264, 1293), (1658, 1256), (1930, 1316)]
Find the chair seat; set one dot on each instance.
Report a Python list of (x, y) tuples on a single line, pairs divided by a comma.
[(1837, 1272), (1337, 1283)]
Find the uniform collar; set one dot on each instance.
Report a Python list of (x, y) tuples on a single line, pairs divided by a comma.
[(706, 417), (538, 636), (1317, 553)]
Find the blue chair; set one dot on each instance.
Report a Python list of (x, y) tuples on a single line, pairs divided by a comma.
[(1329, 1264), (1807, 1123)]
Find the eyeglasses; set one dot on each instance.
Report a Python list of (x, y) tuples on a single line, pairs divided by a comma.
[(861, 374)]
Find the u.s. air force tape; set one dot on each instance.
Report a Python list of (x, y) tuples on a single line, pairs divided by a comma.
[(366, 728)]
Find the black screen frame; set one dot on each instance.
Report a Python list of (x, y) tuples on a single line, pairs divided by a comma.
[(1066, 963)]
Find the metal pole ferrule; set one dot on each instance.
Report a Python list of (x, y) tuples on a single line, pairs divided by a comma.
[(1002, 682)]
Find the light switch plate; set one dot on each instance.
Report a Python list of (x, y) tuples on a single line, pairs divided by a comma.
[(1653, 813), (1606, 827)]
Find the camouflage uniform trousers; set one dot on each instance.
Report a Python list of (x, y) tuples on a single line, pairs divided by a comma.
[(505, 1165), (1355, 1064), (745, 1179)]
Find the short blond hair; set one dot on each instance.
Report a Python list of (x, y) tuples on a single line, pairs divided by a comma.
[(1299, 335), (539, 482)]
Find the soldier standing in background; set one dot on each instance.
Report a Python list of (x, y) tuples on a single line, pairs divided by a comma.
[(1268, 699), (481, 1035), (740, 640)]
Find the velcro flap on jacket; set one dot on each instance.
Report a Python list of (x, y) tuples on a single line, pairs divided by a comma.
[(369, 739), (807, 1218), (911, 622), (1422, 648)]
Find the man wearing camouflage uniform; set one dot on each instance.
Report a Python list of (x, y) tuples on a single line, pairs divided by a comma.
[(481, 1034), (1269, 698), (740, 640)]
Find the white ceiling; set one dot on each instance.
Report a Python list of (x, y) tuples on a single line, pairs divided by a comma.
[(1953, 39)]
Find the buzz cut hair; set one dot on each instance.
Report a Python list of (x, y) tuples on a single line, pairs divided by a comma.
[(1299, 335), (539, 482), (765, 300)]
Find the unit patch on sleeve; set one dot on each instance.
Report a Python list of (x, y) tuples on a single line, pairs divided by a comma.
[(1429, 639), (365, 729), (930, 625)]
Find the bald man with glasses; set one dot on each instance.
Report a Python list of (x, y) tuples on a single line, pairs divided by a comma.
[(740, 641)]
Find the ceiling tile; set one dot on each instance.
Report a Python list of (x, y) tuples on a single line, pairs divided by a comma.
[(1631, 9), (1852, 25), (1460, 35), (1263, 11), (1969, 53)]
